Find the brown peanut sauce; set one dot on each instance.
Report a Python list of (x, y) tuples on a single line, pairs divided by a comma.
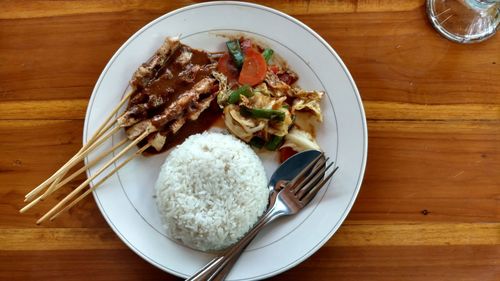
[(168, 85), (172, 80)]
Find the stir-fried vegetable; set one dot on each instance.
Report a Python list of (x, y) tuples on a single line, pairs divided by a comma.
[(263, 113), (261, 104), (267, 54), (274, 143), (234, 97), (307, 100), (300, 140), (234, 49)]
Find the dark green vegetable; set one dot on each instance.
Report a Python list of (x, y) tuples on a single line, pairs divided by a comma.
[(274, 143), (263, 113), (235, 51), (234, 97), (257, 142), (267, 54)]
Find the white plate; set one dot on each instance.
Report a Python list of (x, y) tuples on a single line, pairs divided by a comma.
[(126, 199)]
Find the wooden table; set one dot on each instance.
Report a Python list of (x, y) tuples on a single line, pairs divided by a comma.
[(429, 205)]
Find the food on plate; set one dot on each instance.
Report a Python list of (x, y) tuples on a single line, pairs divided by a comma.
[(261, 101), (173, 88), (211, 190), (181, 91), (258, 96)]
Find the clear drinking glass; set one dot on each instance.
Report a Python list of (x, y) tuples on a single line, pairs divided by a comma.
[(464, 21)]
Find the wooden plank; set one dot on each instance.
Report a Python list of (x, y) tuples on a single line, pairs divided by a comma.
[(31, 151), (470, 263), (395, 263), (431, 171), (98, 265), (51, 239), (37, 9), (409, 111), (349, 235), (43, 109), (422, 234)]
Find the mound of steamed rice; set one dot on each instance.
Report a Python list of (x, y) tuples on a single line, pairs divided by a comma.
[(211, 190)]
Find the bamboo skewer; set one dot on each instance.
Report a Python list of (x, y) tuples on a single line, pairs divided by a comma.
[(88, 191), (105, 126), (70, 164), (85, 183), (71, 177), (52, 186)]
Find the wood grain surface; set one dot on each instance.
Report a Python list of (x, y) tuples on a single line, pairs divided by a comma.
[(429, 207)]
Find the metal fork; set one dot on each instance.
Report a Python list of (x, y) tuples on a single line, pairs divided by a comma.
[(292, 198)]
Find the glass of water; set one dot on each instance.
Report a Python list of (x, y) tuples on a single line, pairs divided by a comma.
[(465, 21)]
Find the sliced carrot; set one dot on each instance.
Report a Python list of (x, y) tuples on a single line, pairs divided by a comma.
[(254, 68), (226, 66)]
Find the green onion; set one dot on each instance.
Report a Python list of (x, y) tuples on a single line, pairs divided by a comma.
[(235, 51), (234, 97), (263, 113), (257, 142), (274, 143), (267, 54)]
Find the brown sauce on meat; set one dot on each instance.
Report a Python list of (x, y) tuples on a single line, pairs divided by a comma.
[(168, 84), (183, 69), (211, 117)]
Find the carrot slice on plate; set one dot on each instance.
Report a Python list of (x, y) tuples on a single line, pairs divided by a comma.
[(254, 68)]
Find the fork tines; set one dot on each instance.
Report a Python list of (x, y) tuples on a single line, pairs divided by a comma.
[(312, 178)]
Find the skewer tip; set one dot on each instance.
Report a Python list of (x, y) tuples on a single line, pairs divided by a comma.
[(38, 222)]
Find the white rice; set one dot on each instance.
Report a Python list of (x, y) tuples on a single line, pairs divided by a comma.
[(211, 190)]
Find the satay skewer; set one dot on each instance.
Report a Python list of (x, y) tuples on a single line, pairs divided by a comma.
[(188, 106), (170, 113), (174, 127), (140, 77)]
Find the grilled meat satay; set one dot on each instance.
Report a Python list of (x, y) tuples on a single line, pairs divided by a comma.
[(184, 67), (158, 139), (175, 109), (138, 112), (147, 71)]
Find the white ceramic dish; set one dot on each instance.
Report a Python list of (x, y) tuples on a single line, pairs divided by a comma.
[(126, 199)]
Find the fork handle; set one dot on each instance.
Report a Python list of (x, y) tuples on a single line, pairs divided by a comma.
[(216, 265)]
